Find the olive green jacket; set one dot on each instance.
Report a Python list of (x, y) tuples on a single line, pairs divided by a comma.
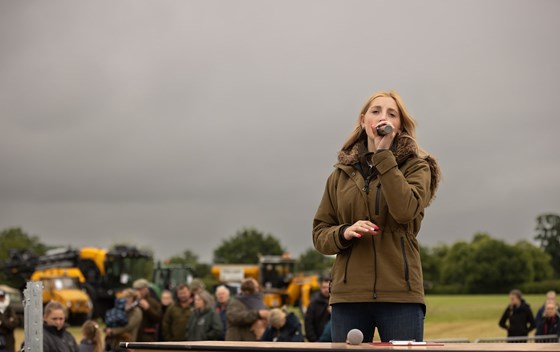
[(204, 325), (175, 322), (384, 267)]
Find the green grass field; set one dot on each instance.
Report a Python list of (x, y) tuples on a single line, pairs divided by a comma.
[(469, 316), (448, 316)]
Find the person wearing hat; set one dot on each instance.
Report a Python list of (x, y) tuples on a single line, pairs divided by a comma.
[(197, 286), (151, 312), (8, 322)]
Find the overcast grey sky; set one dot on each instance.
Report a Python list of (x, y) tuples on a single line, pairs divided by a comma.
[(173, 124)]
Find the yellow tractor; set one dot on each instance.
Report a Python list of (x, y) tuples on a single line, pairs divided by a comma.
[(282, 286), (63, 285), (276, 274)]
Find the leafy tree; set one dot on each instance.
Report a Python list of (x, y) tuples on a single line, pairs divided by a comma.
[(485, 265), (455, 264), (17, 239), (188, 257), (204, 270), (311, 260), (495, 266), (548, 233), (539, 262), (432, 262), (246, 246)]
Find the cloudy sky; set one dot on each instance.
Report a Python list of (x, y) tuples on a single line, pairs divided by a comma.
[(173, 124)]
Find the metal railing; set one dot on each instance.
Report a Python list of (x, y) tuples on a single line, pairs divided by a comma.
[(33, 316), (450, 340), (520, 339)]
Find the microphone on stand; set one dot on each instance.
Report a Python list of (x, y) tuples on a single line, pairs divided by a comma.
[(354, 337)]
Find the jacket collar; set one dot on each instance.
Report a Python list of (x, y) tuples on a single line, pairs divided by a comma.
[(53, 330), (403, 148)]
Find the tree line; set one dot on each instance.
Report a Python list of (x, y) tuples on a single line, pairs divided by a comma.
[(483, 265)]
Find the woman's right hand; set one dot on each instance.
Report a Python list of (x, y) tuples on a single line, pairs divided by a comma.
[(360, 228)]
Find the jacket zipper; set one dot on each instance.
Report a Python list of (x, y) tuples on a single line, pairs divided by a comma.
[(366, 184), (346, 266), (378, 199), (406, 273), (374, 269)]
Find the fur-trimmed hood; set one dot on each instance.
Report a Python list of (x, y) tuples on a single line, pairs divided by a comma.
[(404, 147)]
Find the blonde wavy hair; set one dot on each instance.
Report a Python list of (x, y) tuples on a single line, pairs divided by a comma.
[(408, 124), (408, 127)]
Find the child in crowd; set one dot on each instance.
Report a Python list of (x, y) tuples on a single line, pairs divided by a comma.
[(91, 337)]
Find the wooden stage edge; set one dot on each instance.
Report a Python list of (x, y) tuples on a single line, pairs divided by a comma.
[(235, 346)]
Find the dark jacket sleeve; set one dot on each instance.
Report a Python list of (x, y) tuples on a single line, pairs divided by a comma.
[(267, 335), (9, 319), (292, 330), (166, 324), (154, 311), (216, 329), (72, 341), (504, 319), (540, 328), (539, 317), (530, 320), (309, 323)]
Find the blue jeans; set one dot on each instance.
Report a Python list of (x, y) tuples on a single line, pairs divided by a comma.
[(394, 321)]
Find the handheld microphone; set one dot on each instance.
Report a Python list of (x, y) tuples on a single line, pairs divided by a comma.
[(384, 130), (354, 337)]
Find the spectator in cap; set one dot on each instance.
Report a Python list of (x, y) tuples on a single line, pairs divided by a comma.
[(8, 322), (196, 286), (151, 312)]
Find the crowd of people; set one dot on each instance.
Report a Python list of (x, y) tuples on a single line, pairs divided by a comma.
[(190, 313), (519, 321)]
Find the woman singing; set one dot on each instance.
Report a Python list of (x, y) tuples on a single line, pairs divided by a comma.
[(369, 216)]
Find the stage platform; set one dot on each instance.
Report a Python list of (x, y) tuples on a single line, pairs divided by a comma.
[(235, 346)]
